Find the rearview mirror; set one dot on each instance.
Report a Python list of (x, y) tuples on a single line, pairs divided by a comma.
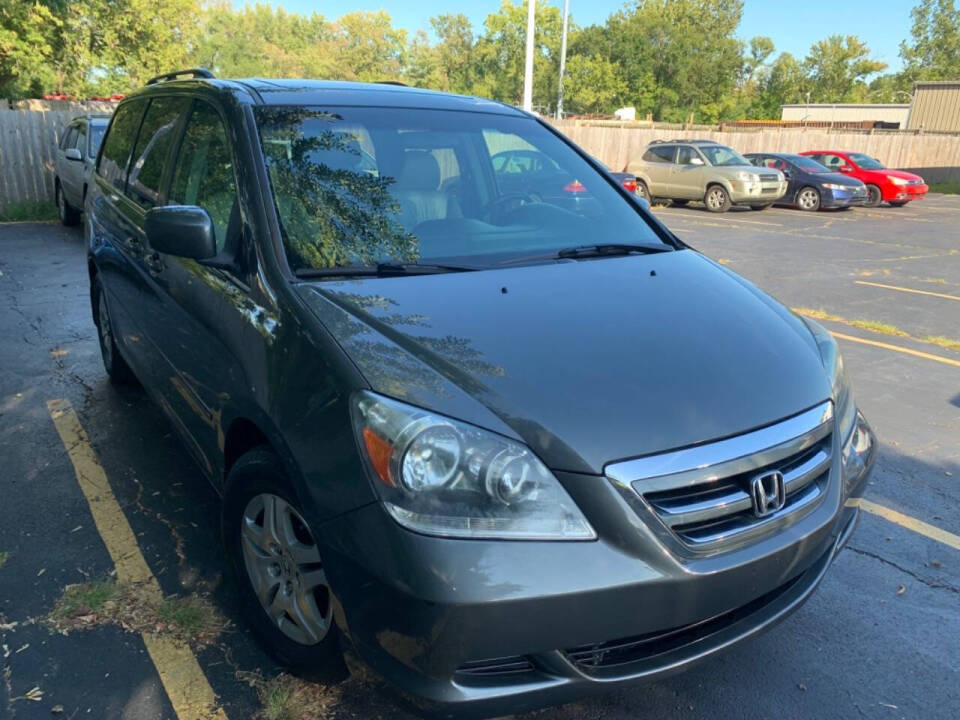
[(182, 230), (73, 154)]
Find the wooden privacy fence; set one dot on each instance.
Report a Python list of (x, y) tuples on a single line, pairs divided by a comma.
[(936, 157), (28, 134)]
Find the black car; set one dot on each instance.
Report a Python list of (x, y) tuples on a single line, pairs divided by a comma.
[(810, 185), (506, 451)]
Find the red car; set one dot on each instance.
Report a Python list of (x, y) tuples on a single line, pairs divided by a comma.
[(893, 186)]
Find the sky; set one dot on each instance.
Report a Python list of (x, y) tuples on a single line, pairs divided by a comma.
[(792, 26)]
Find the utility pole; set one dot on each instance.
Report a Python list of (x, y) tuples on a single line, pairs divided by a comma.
[(563, 58), (528, 68)]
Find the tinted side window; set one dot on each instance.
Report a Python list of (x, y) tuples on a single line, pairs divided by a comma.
[(204, 170), (153, 145), (119, 143), (659, 154)]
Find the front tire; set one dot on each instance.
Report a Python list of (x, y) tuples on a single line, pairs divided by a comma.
[(283, 588), (68, 214), (113, 362), (808, 199), (717, 199), (874, 196)]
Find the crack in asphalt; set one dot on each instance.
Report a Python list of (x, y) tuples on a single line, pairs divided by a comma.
[(911, 573)]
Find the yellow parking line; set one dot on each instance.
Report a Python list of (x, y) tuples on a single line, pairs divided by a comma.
[(907, 290), (897, 348), (190, 694), (910, 523)]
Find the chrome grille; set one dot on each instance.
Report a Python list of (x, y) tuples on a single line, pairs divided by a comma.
[(701, 495), (767, 177)]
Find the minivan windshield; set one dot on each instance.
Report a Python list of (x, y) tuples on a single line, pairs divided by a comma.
[(722, 155), (865, 162), (359, 187)]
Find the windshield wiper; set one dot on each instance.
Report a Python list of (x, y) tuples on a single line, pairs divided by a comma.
[(592, 251), (383, 269)]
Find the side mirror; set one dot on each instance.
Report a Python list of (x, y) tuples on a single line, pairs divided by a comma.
[(183, 230), (786, 173), (73, 154), (845, 168), (696, 161)]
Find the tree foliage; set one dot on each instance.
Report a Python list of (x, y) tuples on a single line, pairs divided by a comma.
[(673, 59)]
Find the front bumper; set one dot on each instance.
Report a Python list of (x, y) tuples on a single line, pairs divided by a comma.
[(756, 193), (478, 628), (905, 193), (842, 198)]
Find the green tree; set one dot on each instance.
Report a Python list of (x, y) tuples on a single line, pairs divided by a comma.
[(500, 54), (26, 34), (838, 68), (934, 51), (368, 48), (592, 85)]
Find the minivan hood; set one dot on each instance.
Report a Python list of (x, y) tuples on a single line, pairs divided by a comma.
[(587, 361)]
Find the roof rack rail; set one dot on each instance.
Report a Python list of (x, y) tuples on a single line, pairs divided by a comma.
[(391, 82), (701, 141), (192, 72), (659, 142)]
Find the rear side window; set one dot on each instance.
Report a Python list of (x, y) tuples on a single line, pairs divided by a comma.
[(68, 138), (204, 170), (659, 154), (118, 145), (153, 147)]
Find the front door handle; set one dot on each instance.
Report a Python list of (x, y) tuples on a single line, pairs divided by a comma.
[(154, 264)]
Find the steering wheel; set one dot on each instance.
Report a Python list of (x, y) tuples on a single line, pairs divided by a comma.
[(507, 202)]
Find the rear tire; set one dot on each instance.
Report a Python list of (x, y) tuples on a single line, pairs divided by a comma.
[(808, 199), (874, 196), (716, 199), (275, 559), (642, 190), (113, 362), (898, 203), (69, 215)]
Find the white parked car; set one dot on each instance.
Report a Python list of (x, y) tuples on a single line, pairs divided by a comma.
[(73, 159)]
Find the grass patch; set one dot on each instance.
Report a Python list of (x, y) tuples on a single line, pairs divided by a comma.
[(29, 211), (878, 327), (191, 614), (85, 599), (4, 556), (136, 608), (285, 697), (949, 187)]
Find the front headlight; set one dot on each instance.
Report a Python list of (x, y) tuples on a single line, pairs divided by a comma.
[(897, 180), (443, 477), (835, 186), (856, 437), (748, 176)]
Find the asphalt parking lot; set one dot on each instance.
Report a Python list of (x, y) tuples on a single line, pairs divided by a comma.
[(82, 460)]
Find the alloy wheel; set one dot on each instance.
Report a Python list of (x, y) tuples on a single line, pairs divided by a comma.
[(808, 199), (284, 567), (715, 198)]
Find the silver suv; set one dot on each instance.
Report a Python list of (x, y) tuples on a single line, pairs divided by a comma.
[(688, 170), (73, 160)]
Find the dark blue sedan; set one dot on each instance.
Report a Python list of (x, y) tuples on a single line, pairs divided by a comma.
[(810, 185)]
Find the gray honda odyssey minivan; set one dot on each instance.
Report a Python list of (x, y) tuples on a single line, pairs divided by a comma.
[(505, 443)]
